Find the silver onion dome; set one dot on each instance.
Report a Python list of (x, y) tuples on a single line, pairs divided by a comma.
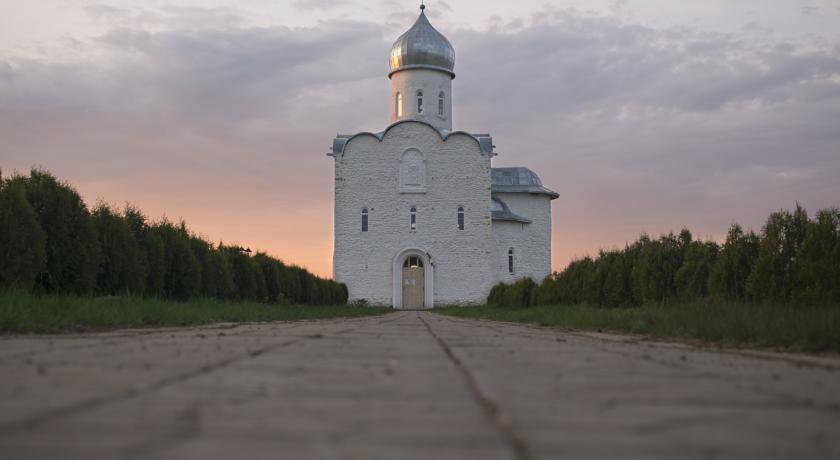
[(423, 47)]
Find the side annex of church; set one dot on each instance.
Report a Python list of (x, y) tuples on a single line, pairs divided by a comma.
[(422, 219)]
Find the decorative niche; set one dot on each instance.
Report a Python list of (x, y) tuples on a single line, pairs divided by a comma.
[(412, 172)]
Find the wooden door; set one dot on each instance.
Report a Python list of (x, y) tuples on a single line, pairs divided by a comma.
[(413, 288)]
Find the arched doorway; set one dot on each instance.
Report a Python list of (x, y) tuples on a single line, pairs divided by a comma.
[(413, 288), (413, 280)]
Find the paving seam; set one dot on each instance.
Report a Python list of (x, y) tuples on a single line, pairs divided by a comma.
[(491, 409), (599, 342), (109, 341), (656, 342), (72, 409), (108, 336)]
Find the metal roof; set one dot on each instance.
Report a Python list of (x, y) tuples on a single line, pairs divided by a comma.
[(499, 210), (518, 180), (422, 46)]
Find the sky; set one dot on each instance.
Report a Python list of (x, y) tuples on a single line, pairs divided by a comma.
[(644, 115)]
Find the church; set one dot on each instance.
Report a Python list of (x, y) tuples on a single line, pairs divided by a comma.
[(422, 219)]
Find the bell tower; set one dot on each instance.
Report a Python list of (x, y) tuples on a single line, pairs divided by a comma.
[(422, 63)]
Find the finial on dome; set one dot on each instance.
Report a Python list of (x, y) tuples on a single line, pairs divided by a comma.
[(422, 46)]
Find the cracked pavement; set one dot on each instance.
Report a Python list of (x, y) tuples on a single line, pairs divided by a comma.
[(407, 385)]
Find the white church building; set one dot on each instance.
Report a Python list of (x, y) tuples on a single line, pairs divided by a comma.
[(422, 219)]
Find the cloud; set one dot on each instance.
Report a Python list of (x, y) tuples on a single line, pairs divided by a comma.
[(165, 17), (643, 129), (809, 10), (638, 128), (319, 4)]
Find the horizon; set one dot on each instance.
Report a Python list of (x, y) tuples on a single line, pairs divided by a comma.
[(644, 117)]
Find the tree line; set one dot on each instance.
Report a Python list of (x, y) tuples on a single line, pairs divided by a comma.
[(51, 243), (794, 260)]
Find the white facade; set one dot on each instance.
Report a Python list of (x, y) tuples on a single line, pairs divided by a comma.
[(418, 193), (531, 242)]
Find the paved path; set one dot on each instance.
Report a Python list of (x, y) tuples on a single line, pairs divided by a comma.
[(406, 385)]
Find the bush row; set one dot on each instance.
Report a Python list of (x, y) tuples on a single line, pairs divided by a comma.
[(51, 243), (794, 260)]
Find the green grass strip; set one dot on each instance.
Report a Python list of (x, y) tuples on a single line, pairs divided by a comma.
[(25, 313), (811, 329)]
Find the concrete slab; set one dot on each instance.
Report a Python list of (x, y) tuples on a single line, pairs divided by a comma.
[(406, 385)]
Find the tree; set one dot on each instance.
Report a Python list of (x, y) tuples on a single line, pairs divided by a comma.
[(219, 275), (728, 277), (244, 275), (122, 269), (49, 241), (22, 241), (260, 292), (72, 246), (182, 277), (290, 284), (151, 250), (656, 267), (773, 278), (614, 273), (817, 264), (575, 285), (270, 269), (202, 251), (692, 278)]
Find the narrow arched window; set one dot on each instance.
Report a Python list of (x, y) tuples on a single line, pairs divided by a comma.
[(398, 104), (460, 217), (420, 101), (364, 219), (441, 103), (413, 212), (510, 260)]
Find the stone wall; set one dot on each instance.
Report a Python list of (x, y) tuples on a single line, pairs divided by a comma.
[(531, 242), (367, 175)]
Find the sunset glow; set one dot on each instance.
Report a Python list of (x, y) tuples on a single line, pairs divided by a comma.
[(645, 116)]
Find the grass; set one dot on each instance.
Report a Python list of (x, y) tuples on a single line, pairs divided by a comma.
[(25, 313), (810, 329)]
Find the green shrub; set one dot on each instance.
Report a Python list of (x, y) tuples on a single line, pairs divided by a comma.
[(795, 260), (22, 242), (50, 243), (122, 269), (519, 294), (72, 247), (817, 264), (773, 278), (728, 277), (496, 297)]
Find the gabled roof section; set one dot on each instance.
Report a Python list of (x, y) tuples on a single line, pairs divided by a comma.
[(518, 180), (499, 210), (485, 141)]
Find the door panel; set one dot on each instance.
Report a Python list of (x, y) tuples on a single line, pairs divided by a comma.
[(413, 288)]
